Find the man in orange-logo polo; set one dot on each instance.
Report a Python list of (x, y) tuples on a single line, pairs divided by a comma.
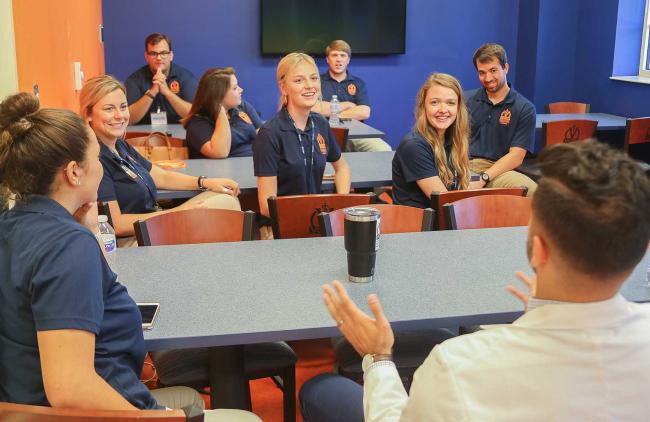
[(503, 124), (160, 85), (351, 92)]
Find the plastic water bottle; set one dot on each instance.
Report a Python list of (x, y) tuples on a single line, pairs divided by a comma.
[(335, 110), (107, 235)]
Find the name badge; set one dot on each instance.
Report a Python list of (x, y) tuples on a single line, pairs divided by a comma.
[(129, 172), (159, 118)]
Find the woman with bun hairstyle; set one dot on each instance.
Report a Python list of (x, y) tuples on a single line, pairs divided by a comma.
[(130, 182), (220, 123), (70, 334), (291, 149), (434, 155)]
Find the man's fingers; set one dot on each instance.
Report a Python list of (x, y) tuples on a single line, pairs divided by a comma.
[(518, 293), (376, 309), (526, 279)]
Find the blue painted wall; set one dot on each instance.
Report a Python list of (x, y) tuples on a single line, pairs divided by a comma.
[(440, 36)]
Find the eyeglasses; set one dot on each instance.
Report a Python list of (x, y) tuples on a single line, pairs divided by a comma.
[(161, 54)]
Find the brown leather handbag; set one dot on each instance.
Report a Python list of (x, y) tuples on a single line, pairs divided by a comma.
[(157, 146)]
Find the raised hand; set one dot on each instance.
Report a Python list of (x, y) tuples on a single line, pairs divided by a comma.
[(367, 335), (530, 282)]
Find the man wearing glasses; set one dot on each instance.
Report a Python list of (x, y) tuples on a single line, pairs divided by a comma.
[(160, 89)]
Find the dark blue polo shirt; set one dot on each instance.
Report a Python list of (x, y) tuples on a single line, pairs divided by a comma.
[(350, 89), (243, 122), (53, 276), (497, 127), (277, 152), (180, 80), (127, 179), (415, 160)]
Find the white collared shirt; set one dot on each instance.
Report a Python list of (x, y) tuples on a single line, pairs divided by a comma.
[(557, 362)]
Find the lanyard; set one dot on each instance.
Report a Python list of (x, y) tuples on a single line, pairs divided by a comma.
[(308, 166), (131, 170)]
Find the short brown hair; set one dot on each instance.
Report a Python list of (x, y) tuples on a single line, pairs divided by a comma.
[(212, 89), (594, 203), (35, 144), (338, 45), (488, 52), (155, 38)]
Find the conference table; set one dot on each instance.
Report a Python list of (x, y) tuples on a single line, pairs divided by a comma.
[(356, 128), (225, 295), (609, 126), (368, 170)]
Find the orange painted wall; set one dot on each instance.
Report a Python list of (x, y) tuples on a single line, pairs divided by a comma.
[(50, 36)]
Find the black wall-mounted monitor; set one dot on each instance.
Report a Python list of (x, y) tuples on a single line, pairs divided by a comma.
[(371, 27)]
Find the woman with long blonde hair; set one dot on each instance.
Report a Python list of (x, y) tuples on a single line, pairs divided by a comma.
[(434, 155)]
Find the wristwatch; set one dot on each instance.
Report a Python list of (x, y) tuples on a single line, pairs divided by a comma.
[(149, 94), (485, 177), (374, 358)]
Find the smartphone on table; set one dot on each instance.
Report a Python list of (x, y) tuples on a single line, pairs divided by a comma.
[(149, 312)]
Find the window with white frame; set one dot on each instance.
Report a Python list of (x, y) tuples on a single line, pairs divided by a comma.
[(644, 62)]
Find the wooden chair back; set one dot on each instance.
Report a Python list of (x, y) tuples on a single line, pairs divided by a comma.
[(489, 211), (637, 131), (341, 135), (565, 131), (439, 199), (394, 219), (567, 107), (297, 216), (11, 412), (195, 226)]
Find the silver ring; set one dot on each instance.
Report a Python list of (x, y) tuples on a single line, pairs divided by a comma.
[(339, 323), (225, 190)]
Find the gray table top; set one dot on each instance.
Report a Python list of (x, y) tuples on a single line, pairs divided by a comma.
[(357, 130), (605, 121), (369, 169), (212, 295)]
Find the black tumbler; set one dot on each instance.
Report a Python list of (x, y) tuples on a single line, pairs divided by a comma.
[(361, 228)]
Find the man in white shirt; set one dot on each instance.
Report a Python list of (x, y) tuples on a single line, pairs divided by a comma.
[(581, 352)]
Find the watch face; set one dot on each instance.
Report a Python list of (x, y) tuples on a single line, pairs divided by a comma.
[(485, 177)]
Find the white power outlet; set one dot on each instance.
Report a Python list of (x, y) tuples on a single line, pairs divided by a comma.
[(78, 76)]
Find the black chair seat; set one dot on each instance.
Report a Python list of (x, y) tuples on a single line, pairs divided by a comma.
[(189, 367), (410, 350)]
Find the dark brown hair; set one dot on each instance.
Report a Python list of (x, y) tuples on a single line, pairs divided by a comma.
[(35, 145), (155, 38), (594, 203), (488, 52), (212, 89)]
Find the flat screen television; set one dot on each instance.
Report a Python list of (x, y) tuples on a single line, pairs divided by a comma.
[(371, 27)]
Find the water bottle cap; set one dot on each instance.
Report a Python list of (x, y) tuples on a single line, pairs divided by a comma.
[(334, 97), (102, 219), (362, 214)]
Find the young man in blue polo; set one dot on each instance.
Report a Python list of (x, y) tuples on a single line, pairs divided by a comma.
[(160, 89), (351, 92), (502, 124)]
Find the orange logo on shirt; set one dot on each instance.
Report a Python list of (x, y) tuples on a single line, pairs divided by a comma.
[(245, 117), (504, 119), (321, 144), (175, 87), (352, 89)]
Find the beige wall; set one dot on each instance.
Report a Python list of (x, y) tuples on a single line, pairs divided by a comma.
[(8, 74)]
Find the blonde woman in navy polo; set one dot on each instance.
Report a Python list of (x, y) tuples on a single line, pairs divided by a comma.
[(290, 150), (130, 183), (433, 156), (220, 124), (70, 334)]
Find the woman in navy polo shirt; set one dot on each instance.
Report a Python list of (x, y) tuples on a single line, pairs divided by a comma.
[(130, 182), (290, 150), (70, 336), (220, 124), (433, 156)]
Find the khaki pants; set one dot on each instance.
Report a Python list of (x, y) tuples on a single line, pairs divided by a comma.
[(367, 145), (179, 397), (509, 179)]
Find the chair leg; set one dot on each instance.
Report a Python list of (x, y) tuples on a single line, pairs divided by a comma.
[(249, 403), (289, 392)]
